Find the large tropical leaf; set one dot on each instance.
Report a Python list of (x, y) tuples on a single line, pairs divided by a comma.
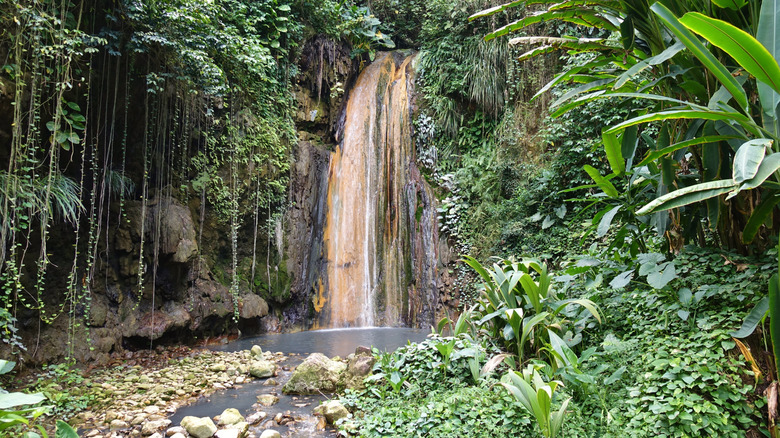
[(649, 62), (760, 216), (602, 182), (768, 167), (751, 321), (582, 18), (688, 195), (730, 4), (614, 153), (13, 399), (748, 158), (495, 9), (700, 51), (768, 33), (774, 316), (745, 49), (654, 155), (725, 116)]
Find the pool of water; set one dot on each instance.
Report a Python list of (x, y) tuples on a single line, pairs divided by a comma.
[(330, 342), (296, 346)]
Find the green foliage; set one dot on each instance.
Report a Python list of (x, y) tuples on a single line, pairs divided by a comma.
[(13, 416), (519, 305), (536, 396), (62, 385), (408, 395)]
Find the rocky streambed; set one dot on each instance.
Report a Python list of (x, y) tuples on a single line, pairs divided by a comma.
[(154, 398)]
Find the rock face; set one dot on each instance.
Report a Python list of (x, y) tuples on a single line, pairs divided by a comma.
[(316, 374), (332, 410), (199, 427)]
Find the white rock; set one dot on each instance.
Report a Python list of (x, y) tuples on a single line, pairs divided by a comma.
[(230, 416), (174, 430), (270, 433)]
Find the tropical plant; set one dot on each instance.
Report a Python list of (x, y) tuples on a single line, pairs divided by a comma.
[(14, 416), (518, 304), (536, 396)]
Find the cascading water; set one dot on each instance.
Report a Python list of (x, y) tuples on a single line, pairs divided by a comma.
[(380, 227)]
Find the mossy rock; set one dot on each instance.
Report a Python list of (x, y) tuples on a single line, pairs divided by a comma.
[(317, 374)]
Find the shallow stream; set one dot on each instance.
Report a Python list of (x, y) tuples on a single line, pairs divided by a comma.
[(296, 346)]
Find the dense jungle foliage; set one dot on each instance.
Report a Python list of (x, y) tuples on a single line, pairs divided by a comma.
[(608, 170)]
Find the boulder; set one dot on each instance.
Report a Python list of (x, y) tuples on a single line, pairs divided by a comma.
[(359, 366), (230, 416), (252, 306), (199, 427), (316, 374), (270, 433), (332, 410), (262, 368)]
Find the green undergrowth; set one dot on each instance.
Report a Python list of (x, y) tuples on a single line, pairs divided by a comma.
[(661, 364)]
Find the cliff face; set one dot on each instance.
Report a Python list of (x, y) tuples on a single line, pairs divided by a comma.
[(361, 232), (288, 275)]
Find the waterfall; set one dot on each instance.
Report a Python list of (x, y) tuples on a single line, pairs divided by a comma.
[(380, 227)]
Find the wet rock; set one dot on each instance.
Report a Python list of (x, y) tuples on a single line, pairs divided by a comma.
[(174, 430), (262, 368), (117, 425), (151, 427), (199, 427), (267, 399), (230, 416), (228, 433), (316, 374), (270, 433), (177, 230), (256, 417), (256, 351), (270, 382), (332, 410), (218, 367), (98, 311), (252, 306), (359, 366), (156, 435)]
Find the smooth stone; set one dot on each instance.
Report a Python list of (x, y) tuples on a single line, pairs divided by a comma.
[(228, 433), (267, 399), (199, 427), (118, 424), (262, 368), (230, 416), (332, 410), (174, 430), (151, 427), (256, 351), (256, 417), (270, 433), (178, 435)]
